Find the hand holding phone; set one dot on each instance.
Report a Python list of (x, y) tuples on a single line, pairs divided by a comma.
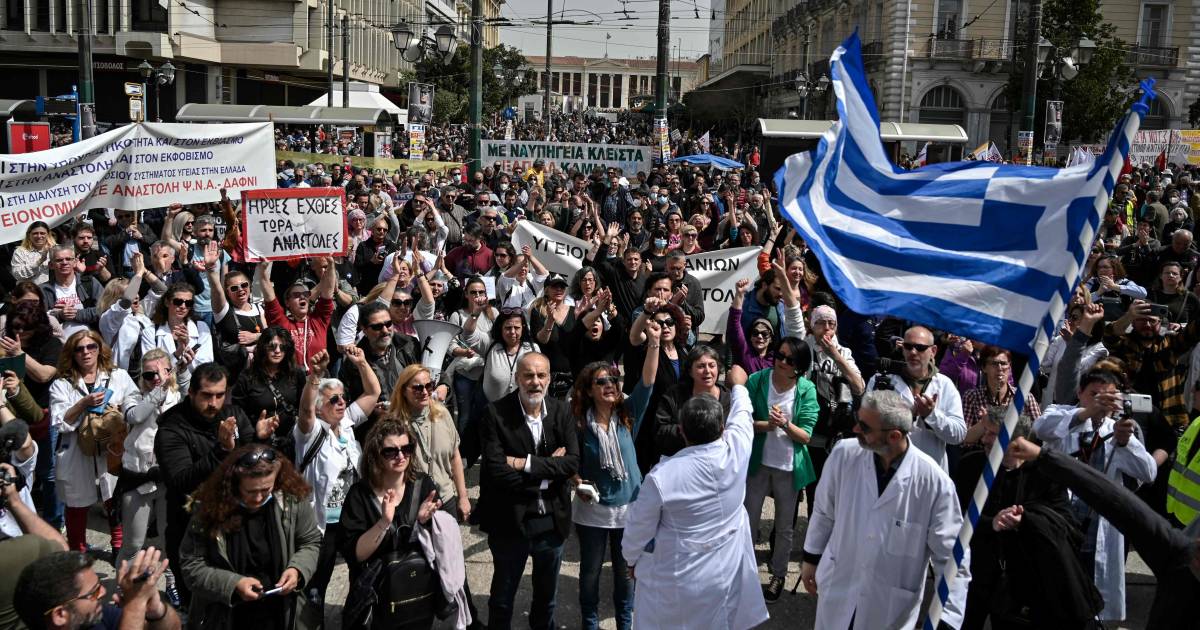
[(587, 491)]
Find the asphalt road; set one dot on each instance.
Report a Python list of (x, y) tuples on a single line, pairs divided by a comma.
[(791, 612)]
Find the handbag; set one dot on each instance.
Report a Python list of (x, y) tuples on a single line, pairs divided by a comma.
[(98, 432)]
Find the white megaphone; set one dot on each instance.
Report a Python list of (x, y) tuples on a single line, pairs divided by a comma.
[(435, 337)]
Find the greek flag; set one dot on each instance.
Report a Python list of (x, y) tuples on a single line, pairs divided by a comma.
[(989, 251)]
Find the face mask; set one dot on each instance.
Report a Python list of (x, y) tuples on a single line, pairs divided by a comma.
[(1173, 200), (663, 199), (503, 186), (660, 243), (265, 501)]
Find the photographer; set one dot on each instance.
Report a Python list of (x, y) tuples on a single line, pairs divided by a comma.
[(1151, 356), (1101, 433), (35, 539)]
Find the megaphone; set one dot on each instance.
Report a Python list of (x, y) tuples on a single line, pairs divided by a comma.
[(435, 337)]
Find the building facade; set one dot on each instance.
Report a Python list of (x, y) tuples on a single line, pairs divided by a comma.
[(608, 84), (941, 61), (251, 51)]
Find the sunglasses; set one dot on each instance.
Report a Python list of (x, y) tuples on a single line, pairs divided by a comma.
[(477, 292), (93, 594), (916, 347), (151, 375), (606, 380), (91, 347), (765, 334), (300, 296), (380, 326), (783, 357), (668, 322), (248, 460), (403, 302), (182, 302), (511, 310), (239, 287), (394, 452), (423, 387), (337, 399), (64, 261)]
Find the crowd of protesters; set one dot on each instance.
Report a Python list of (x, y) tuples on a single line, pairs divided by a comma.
[(259, 421)]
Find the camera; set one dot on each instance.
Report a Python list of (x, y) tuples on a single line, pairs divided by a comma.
[(12, 437), (1136, 403)]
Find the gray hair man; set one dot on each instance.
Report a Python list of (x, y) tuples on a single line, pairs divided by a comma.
[(883, 511)]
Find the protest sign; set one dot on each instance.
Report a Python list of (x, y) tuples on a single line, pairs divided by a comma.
[(1148, 144), (135, 167), (290, 223), (416, 141), (390, 164), (718, 272), (631, 159), (662, 141)]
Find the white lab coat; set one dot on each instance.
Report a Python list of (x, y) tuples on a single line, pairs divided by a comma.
[(83, 479), (875, 549), (701, 573), (1057, 434), (199, 337), (944, 426)]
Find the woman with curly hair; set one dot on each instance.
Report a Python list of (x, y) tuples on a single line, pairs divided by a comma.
[(252, 542), (608, 422), (31, 259), (87, 383), (377, 516)]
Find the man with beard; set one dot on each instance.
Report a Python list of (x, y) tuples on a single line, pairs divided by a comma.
[(936, 403), (883, 511), (192, 439), (205, 229), (387, 352), (530, 453), (308, 323), (1150, 356), (63, 591)]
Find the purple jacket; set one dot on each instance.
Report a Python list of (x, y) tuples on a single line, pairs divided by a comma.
[(743, 355), (961, 368)]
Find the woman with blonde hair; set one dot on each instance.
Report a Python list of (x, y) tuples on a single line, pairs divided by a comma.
[(139, 484), (88, 383), (31, 259), (430, 423)]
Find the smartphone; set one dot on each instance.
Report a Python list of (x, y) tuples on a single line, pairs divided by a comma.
[(107, 395), (1160, 311), (275, 591), (195, 347), (587, 490)]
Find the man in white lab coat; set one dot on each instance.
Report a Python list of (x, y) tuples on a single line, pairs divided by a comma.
[(687, 537), (1090, 433), (935, 401), (883, 510)]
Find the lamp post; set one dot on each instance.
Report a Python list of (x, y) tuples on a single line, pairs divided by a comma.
[(163, 75), (807, 88), (1045, 54)]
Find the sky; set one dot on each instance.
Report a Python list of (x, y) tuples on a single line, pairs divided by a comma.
[(630, 38)]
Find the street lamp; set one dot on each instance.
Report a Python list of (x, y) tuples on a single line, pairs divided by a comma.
[(807, 88), (163, 75), (414, 45)]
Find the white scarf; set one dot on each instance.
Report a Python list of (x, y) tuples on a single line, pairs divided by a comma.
[(610, 448)]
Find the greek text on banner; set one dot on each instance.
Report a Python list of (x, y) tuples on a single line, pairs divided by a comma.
[(135, 167), (289, 223), (630, 159), (718, 272)]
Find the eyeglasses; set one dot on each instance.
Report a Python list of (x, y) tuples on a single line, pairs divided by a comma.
[(606, 380), (394, 452), (511, 310), (248, 460), (916, 347), (239, 287), (765, 334), (182, 302), (999, 364), (422, 387), (90, 347), (403, 302), (336, 399), (300, 295), (380, 326), (277, 346), (668, 322), (93, 594)]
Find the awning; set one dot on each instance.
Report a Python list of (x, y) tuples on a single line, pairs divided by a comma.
[(9, 107), (890, 131), (361, 95), (307, 115)]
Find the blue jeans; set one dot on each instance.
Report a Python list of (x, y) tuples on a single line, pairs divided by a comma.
[(509, 554), (592, 541), (45, 497)]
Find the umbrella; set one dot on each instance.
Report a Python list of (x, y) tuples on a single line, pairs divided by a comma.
[(710, 160)]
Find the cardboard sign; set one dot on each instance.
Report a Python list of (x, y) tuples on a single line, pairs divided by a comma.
[(291, 223)]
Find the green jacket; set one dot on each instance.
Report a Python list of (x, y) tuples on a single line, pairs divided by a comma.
[(206, 568), (804, 415)]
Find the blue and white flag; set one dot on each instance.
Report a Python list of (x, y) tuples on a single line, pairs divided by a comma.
[(989, 251)]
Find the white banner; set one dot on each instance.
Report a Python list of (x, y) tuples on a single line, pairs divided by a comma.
[(718, 272), (1148, 144), (135, 167), (629, 158), (291, 223)]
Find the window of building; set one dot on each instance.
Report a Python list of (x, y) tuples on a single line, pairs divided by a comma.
[(616, 99), (605, 90), (949, 17), (555, 84), (150, 16), (1154, 25), (676, 86), (15, 15), (943, 105), (1158, 117), (60, 16), (100, 15), (593, 90), (41, 15)]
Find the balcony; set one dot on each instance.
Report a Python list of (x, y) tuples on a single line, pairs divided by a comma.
[(950, 48), (1152, 57), (993, 49), (872, 52)]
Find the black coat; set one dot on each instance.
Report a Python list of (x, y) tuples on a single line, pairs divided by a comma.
[(668, 433), (508, 496), (1166, 550)]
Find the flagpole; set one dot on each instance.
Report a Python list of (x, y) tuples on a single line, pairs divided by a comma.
[(1041, 343)]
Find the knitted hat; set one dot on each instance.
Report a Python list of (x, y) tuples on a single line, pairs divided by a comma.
[(822, 313)]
